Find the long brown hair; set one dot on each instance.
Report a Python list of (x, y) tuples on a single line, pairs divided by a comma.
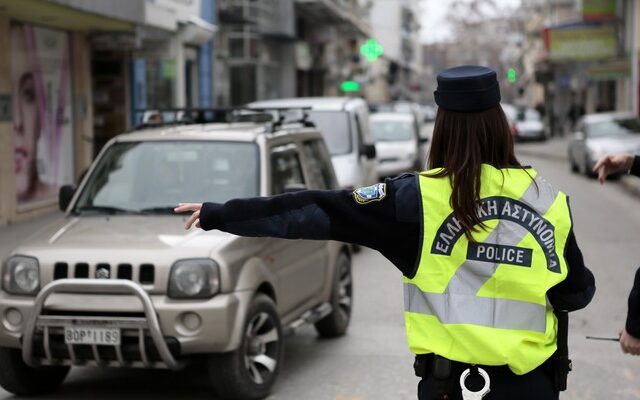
[(461, 143)]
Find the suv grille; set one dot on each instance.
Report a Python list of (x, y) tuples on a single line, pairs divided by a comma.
[(144, 272)]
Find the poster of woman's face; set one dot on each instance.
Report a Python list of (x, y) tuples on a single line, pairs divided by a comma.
[(41, 109)]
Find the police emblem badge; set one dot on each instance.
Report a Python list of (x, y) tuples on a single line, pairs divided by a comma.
[(371, 193)]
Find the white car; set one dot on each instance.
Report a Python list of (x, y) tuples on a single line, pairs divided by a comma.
[(344, 123), (529, 125), (602, 133), (397, 141)]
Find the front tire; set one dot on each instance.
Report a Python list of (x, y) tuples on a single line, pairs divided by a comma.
[(336, 323), (20, 379), (249, 372)]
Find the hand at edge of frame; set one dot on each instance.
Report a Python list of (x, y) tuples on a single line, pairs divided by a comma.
[(194, 209), (629, 343), (611, 164)]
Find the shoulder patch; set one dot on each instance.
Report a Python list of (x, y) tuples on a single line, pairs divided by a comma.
[(370, 194)]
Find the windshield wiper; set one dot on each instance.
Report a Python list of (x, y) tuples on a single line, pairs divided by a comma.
[(158, 210), (106, 210)]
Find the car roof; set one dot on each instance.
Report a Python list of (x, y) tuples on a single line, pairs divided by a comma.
[(607, 116), (315, 103), (239, 132), (391, 116)]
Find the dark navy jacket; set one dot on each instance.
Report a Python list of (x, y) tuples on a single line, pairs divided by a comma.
[(633, 314), (392, 226)]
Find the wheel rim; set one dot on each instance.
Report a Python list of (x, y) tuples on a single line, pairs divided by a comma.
[(262, 345), (345, 290)]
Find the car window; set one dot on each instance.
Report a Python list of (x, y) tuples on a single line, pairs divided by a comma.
[(335, 128), (613, 127), (318, 161), (286, 170), (142, 175), (390, 131)]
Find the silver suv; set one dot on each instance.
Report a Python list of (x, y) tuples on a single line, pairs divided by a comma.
[(120, 283)]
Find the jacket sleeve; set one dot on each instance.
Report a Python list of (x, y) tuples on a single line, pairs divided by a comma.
[(633, 313), (577, 290), (322, 215), (635, 168)]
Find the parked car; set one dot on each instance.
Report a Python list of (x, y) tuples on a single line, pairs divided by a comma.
[(529, 125), (344, 123), (421, 120), (120, 283), (511, 112), (397, 141), (602, 133)]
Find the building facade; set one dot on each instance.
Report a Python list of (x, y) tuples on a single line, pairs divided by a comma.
[(397, 74), (76, 71)]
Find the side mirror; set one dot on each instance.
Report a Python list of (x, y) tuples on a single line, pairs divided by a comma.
[(65, 195), (423, 140), (368, 150), (294, 187)]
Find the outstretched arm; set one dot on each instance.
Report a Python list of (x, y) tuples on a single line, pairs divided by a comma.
[(388, 222)]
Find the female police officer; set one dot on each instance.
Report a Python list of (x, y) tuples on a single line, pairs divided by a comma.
[(485, 245)]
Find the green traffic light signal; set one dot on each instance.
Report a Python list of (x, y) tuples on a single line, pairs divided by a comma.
[(512, 75)]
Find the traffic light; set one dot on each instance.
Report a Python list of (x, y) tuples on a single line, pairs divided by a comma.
[(512, 75)]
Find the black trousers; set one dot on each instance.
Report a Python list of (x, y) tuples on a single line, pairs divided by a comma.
[(505, 385)]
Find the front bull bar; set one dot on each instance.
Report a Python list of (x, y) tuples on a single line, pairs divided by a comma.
[(95, 286)]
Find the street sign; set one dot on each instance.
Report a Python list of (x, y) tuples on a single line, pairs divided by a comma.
[(512, 75), (350, 86), (371, 50)]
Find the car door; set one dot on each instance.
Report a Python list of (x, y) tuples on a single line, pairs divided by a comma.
[(298, 264)]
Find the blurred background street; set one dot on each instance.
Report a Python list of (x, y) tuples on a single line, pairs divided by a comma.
[(83, 77)]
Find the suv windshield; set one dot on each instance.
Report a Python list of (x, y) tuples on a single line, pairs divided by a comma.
[(149, 177), (391, 131), (334, 126), (614, 127)]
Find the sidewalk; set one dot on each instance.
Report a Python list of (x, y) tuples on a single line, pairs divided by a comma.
[(556, 149), (12, 235)]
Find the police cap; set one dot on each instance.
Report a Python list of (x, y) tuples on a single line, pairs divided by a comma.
[(467, 88)]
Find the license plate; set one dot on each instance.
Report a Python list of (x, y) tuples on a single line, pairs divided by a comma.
[(90, 335)]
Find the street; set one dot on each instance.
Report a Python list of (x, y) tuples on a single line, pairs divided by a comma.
[(372, 361)]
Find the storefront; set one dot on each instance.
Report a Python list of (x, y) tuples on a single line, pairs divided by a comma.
[(45, 103)]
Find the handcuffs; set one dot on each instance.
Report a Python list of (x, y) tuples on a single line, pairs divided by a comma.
[(471, 395)]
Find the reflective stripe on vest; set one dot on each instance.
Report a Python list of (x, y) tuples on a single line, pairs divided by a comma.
[(500, 282)]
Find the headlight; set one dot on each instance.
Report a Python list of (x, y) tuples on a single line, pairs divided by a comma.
[(21, 275), (194, 279)]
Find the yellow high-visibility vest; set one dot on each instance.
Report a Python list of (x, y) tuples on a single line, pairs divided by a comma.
[(486, 302)]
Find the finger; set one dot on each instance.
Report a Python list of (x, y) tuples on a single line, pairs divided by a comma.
[(191, 220), (602, 176), (601, 162), (187, 207)]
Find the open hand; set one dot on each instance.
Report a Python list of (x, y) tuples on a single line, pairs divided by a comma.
[(611, 164), (194, 208), (629, 344)]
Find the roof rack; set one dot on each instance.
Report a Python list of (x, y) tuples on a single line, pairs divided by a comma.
[(273, 117), (284, 115)]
